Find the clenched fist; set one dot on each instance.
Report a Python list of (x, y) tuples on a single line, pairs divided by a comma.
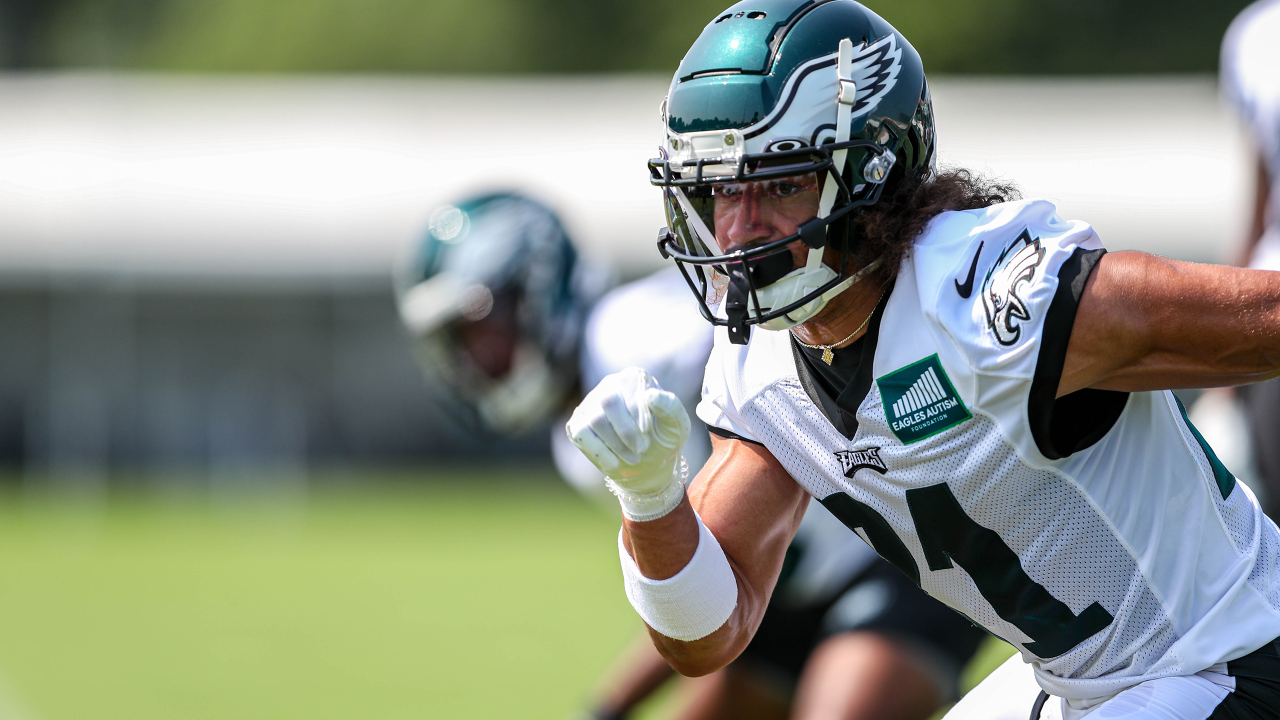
[(633, 431)]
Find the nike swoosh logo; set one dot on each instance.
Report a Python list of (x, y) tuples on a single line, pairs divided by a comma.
[(966, 289)]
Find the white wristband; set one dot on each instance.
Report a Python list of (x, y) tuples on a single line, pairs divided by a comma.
[(691, 604), (643, 507)]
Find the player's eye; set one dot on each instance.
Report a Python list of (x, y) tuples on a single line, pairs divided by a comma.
[(786, 188), (730, 191), (792, 187)]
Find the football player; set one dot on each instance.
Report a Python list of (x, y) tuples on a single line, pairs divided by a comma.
[(1251, 80), (494, 286), (969, 382)]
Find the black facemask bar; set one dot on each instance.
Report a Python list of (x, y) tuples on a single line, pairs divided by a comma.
[(754, 267)]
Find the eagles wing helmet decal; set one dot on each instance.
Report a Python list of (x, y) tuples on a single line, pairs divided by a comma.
[(875, 72), (1015, 268), (807, 92)]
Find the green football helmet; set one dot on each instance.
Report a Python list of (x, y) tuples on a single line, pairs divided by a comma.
[(495, 296), (824, 91)]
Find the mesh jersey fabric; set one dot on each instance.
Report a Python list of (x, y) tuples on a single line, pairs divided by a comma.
[(1250, 69), (1125, 561)]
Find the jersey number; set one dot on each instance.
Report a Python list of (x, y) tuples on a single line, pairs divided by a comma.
[(949, 537)]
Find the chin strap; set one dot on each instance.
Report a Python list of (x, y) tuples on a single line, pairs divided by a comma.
[(851, 280), (764, 272)]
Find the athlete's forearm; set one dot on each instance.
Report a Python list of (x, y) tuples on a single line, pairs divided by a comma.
[(751, 507), (662, 548), (1150, 323)]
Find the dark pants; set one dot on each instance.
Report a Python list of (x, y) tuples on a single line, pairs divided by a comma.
[(1257, 694)]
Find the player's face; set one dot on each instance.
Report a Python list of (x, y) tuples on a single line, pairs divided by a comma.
[(490, 339), (754, 213)]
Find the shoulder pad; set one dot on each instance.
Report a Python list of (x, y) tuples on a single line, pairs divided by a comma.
[(986, 278)]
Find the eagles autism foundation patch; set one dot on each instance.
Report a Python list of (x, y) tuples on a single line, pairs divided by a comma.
[(920, 402)]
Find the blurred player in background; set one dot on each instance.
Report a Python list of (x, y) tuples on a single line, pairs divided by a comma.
[(1251, 80), (504, 314), (495, 297)]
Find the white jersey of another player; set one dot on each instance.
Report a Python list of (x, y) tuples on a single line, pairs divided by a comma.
[(654, 323), (1111, 557), (651, 323), (1251, 81)]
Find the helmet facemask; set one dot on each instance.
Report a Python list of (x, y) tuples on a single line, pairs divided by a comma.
[(824, 89), (759, 284)]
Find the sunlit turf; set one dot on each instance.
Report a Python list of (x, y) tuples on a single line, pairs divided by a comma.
[(469, 595), (457, 598)]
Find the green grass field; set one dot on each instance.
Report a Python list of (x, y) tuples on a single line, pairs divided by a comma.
[(459, 597)]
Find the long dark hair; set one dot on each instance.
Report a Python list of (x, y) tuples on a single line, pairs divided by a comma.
[(888, 229)]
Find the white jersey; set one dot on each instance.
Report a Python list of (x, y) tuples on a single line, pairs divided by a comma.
[(654, 323), (1125, 558), (1251, 81)]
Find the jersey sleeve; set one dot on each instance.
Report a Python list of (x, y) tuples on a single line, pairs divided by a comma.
[(1028, 268), (717, 408)]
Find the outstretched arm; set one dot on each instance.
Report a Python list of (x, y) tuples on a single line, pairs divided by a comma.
[(1150, 323), (753, 507)]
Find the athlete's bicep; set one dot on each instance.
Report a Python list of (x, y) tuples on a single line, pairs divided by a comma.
[(1150, 323)]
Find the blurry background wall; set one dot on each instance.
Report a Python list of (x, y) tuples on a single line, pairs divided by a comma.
[(194, 266), (542, 36)]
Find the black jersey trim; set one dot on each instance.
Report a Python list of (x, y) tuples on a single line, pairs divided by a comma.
[(842, 410), (851, 399), (728, 435), (1062, 426), (820, 397), (1221, 475)]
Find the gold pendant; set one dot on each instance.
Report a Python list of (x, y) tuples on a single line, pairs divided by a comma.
[(827, 355)]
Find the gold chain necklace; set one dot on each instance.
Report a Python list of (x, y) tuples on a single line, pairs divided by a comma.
[(827, 354)]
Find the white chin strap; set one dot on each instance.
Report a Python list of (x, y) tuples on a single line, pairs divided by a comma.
[(815, 274), (800, 282)]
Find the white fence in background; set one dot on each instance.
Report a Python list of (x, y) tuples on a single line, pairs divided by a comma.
[(175, 177), (194, 270)]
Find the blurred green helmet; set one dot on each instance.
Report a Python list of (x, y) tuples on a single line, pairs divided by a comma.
[(774, 89), (495, 296)]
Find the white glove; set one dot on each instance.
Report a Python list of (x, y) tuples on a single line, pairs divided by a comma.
[(633, 430)]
